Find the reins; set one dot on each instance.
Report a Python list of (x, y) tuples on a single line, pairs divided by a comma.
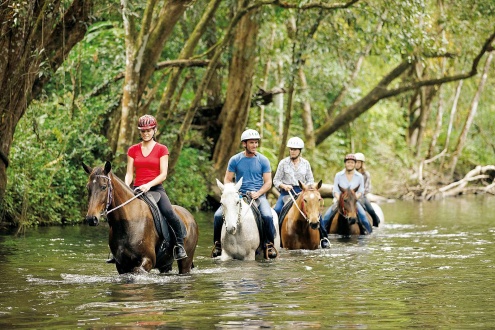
[(110, 196), (239, 217), (295, 203), (341, 208)]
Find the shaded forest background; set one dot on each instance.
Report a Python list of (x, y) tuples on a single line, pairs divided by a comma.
[(408, 83)]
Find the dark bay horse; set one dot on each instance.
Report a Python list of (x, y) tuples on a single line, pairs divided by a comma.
[(300, 228), (346, 222), (133, 238)]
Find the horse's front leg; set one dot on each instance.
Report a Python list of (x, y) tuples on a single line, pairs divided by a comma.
[(145, 266)]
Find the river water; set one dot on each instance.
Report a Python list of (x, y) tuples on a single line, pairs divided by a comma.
[(431, 265)]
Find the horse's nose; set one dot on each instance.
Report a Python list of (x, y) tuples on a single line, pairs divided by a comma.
[(231, 230), (352, 221), (92, 220)]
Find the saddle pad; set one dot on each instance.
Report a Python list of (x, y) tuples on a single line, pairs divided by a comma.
[(158, 218), (257, 218), (284, 211)]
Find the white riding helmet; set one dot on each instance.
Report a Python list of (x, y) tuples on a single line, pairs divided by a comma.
[(250, 134), (360, 156), (295, 143)]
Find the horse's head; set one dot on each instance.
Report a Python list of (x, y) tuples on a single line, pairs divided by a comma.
[(310, 199), (99, 192), (231, 204), (347, 204)]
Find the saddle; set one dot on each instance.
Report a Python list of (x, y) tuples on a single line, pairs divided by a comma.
[(161, 224), (257, 218)]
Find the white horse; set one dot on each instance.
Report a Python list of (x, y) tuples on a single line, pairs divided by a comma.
[(240, 237), (378, 211)]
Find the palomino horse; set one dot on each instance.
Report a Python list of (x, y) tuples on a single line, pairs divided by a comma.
[(300, 228), (133, 238), (345, 221), (240, 236)]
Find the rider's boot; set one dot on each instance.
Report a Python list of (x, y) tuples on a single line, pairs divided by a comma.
[(179, 251), (217, 250), (324, 242), (270, 251)]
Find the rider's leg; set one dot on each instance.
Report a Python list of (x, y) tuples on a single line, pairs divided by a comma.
[(326, 220), (324, 242), (280, 202), (367, 205), (268, 227), (363, 218), (166, 208), (217, 233)]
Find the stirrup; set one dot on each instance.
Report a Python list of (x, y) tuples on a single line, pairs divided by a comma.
[(270, 251), (217, 250), (111, 260), (179, 252), (324, 243)]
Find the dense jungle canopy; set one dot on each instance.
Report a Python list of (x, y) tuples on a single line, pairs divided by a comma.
[(408, 83)]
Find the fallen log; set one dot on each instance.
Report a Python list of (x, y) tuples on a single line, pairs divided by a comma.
[(482, 176)]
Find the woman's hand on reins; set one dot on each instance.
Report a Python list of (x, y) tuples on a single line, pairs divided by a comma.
[(144, 187)]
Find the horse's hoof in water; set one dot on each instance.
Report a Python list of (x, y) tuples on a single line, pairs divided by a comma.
[(325, 243), (270, 251), (217, 250)]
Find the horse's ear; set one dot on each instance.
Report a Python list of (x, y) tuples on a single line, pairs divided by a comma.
[(357, 188), (302, 185), (318, 186), (220, 185), (341, 189), (238, 184), (108, 167), (87, 168)]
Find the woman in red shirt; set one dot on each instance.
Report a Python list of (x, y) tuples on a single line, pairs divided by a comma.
[(149, 161)]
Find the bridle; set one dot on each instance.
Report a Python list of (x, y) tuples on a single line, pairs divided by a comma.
[(302, 203), (341, 209), (110, 195), (240, 216)]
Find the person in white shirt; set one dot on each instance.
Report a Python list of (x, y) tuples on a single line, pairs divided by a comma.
[(290, 171)]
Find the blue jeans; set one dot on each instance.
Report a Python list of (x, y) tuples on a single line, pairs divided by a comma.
[(266, 215), (325, 221), (280, 202)]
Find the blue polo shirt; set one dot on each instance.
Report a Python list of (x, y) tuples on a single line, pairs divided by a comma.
[(250, 169), (341, 178)]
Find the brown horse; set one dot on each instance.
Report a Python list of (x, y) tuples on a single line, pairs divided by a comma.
[(346, 222), (133, 238), (300, 228)]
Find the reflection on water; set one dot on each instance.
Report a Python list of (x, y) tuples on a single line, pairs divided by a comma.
[(430, 265)]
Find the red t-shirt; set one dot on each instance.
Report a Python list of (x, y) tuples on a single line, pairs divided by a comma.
[(147, 168)]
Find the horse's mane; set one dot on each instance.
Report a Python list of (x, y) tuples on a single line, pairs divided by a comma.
[(99, 170)]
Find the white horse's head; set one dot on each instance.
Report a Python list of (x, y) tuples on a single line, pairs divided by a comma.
[(231, 204)]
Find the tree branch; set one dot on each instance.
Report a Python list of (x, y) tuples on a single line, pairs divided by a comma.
[(381, 92)]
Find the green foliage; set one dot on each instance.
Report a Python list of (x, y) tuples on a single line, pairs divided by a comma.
[(64, 127), (188, 186), (46, 182)]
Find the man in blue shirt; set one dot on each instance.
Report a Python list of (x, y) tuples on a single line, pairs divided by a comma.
[(256, 174), (347, 178)]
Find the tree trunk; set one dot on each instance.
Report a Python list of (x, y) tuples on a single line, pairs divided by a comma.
[(38, 34), (237, 103), (143, 50), (472, 113), (307, 118), (187, 52)]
